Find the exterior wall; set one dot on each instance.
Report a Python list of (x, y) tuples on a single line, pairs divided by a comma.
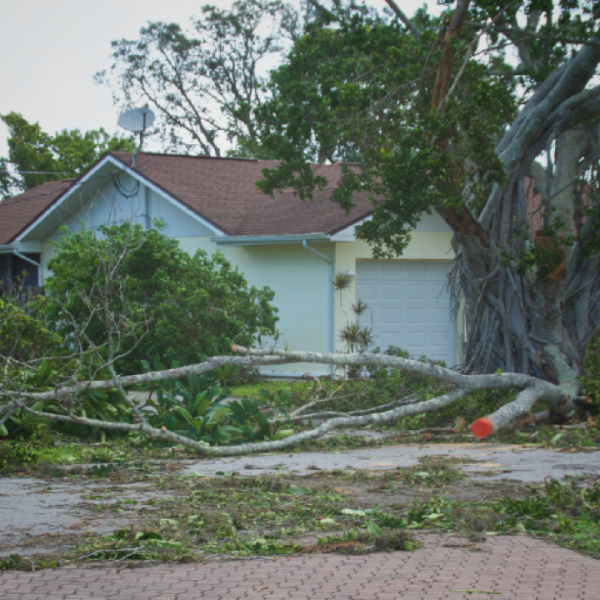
[(299, 279), (47, 254), (109, 205)]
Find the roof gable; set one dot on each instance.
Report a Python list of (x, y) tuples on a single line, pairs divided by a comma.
[(223, 191), (220, 193)]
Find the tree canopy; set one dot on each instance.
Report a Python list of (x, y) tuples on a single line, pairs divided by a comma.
[(487, 115), (203, 81), (33, 155)]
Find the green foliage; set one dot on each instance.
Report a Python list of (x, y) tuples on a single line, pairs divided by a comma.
[(68, 153), (102, 470), (44, 375), (13, 453), (14, 562), (24, 334), (567, 512), (591, 380), (356, 337), (195, 409), (160, 301), (357, 88)]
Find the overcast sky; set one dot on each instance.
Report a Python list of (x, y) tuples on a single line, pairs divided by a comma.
[(51, 50)]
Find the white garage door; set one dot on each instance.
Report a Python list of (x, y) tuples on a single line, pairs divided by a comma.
[(409, 306)]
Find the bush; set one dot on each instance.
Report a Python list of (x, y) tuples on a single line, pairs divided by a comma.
[(591, 381), (14, 454), (162, 301), (194, 408), (24, 335)]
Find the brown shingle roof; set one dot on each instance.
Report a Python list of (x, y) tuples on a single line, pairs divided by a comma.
[(18, 212), (220, 190), (223, 192)]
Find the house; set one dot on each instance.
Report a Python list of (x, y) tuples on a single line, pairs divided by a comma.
[(293, 247)]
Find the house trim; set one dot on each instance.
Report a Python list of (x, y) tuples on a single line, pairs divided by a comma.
[(270, 240)]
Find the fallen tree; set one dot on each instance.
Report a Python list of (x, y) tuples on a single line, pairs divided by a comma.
[(530, 390)]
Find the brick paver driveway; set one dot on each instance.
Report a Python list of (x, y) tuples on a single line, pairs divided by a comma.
[(519, 568)]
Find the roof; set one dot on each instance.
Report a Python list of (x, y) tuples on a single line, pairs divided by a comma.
[(18, 212), (223, 192)]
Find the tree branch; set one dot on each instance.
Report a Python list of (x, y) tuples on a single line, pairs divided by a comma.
[(402, 16)]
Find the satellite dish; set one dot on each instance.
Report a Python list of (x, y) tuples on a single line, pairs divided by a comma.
[(137, 119)]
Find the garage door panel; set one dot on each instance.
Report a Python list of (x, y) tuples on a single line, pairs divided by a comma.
[(390, 270), (409, 306), (416, 315), (437, 290), (390, 291), (390, 317), (416, 291), (389, 339), (366, 291), (439, 315), (416, 339), (440, 339)]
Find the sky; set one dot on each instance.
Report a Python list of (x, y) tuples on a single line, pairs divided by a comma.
[(51, 50)]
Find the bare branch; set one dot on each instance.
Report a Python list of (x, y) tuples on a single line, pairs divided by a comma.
[(402, 16)]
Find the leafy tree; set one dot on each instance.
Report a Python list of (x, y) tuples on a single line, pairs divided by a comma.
[(204, 81), (137, 295), (67, 153), (441, 120)]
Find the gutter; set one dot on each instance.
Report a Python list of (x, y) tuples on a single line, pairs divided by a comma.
[(330, 333), (268, 240)]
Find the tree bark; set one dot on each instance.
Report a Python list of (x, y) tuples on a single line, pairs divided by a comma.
[(535, 322)]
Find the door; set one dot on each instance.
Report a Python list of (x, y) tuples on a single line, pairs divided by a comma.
[(409, 306)]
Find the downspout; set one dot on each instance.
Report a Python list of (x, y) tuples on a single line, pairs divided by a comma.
[(29, 260), (330, 332)]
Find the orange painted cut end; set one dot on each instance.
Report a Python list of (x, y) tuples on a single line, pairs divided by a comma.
[(482, 428)]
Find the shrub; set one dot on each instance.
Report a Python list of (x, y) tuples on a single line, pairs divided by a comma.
[(24, 335), (194, 408), (162, 302), (591, 381), (14, 454)]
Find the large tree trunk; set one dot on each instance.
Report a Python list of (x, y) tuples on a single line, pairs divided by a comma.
[(535, 322)]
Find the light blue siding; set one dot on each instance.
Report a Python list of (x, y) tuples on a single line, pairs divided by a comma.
[(125, 200), (177, 222)]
